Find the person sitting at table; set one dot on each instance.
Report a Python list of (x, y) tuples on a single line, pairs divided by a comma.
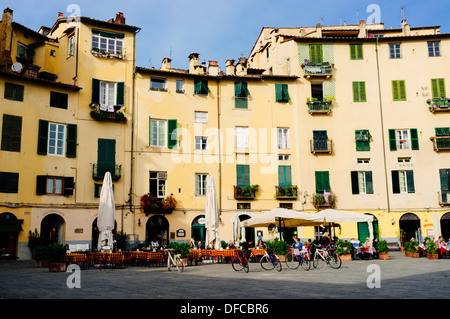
[(199, 246), (260, 244), (367, 243), (155, 245), (192, 243), (231, 245)]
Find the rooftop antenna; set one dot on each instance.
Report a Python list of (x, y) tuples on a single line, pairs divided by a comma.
[(149, 63), (322, 17), (403, 19), (357, 15), (170, 54)]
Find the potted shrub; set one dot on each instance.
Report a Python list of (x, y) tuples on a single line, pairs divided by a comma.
[(383, 250), (34, 240), (408, 249), (431, 250), (414, 249), (41, 256), (344, 249), (182, 249), (121, 240), (57, 257), (281, 248)]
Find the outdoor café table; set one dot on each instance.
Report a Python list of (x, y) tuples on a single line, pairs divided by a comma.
[(257, 252), (194, 255), (76, 258)]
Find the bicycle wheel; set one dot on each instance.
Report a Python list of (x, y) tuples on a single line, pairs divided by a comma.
[(277, 263), (292, 261), (245, 265), (266, 263), (236, 264), (170, 264), (305, 263), (334, 260), (179, 264), (318, 260)]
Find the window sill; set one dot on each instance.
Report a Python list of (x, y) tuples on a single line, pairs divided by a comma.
[(107, 55), (158, 89)]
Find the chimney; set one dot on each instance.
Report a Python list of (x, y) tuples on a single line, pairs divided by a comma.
[(362, 29), (193, 62), (319, 30), (406, 28), (120, 18), (213, 68), (241, 67), (166, 64), (230, 69), (5, 32), (60, 15)]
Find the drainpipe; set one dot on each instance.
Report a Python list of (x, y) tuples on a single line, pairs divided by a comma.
[(220, 147)]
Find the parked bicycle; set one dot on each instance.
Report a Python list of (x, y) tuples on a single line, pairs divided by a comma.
[(174, 261), (240, 261), (326, 256), (270, 261), (297, 257)]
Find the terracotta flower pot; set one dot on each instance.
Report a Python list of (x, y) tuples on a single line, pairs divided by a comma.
[(415, 255), (346, 257), (41, 263), (57, 267), (384, 256), (408, 254), (282, 258), (432, 256)]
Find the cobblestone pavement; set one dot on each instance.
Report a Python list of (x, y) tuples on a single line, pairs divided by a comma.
[(399, 278)]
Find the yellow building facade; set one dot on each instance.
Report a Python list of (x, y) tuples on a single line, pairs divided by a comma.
[(348, 117)]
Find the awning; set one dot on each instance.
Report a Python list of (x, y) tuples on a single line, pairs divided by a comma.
[(6, 228)]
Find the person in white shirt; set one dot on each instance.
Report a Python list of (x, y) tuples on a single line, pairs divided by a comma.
[(155, 245)]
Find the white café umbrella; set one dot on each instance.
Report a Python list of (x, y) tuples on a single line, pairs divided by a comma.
[(106, 210), (436, 226), (211, 215)]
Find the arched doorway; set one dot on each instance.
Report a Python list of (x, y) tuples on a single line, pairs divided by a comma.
[(445, 226), (198, 231), (95, 234), (409, 227), (363, 230), (52, 229), (157, 227), (10, 227)]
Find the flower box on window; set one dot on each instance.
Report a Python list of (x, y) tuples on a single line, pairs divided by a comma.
[(153, 205)]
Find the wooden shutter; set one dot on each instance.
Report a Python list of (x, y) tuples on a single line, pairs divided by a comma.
[(284, 175), (444, 177), (369, 182), (355, 88), (95, 91), (42, 137), (395, 182), (172, 138), (410, 181), (41, 185), (398, 90), (243, 175), (356, 52), (322, 181), (414, 139), (11, 133), (106, 156), (438, 88), (120, 98), (362, 92), (315, 53), (69, 186), (355, 182), (285, 91), (278, 92), (71, 140), (392, 140)]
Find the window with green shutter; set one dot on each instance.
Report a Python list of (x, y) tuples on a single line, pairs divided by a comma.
[(120, 97), (71, 141), (201, 87), (322, 181), (281, 93), (442, 131), (42, 137), (106, 156), (243, 175), (444, 176), (315, 53), (362, 138), (284, 175), (359, 91), (172, 138), (14, 92), (9, 182), (11, 133), (402, 181), (361, 182), (398, 90), (414, 139), (58, 100), (438, 88), (356, 51), (241, 95)]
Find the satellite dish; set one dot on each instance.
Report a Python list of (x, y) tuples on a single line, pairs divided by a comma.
[(16, 67)]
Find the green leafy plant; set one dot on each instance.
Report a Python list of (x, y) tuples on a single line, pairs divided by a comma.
[(414, 247), (431, 247), (41, 253), (343, 247), (34, 239), (56, 253), (279, 247), (382, 247), (121, 240), (408, 247), (182, 249)]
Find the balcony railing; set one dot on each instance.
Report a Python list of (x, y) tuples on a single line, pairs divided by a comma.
[(324, 69), (99, 170), (441, 143), (444, 198), (245, 192), (111, 116), (324, 200), (439, 105), (321, 146), (319, 107), (286, 192)]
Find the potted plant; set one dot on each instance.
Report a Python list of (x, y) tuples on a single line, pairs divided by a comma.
[(383, 250), (181, 249), (408, 249), (41, 256), (344, 249), (431, 250), (281, 248), (414, 249), (56, 257), (34, 240), (169, 203), (121, 240)]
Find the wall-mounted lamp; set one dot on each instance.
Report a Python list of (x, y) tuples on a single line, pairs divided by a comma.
[(393, 222), (139, 222)]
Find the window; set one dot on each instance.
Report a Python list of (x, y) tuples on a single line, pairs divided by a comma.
[(106, 158), (158, 184), (438, 88), (359, 91), (356, 51), (180, 86), (22, 51), (243, 206), (54, 185), (322, 181), (158, 84), (108, 93), (286, 205), (241, 137), (284, 176), (404, 160), (283, 138), (320, 141), (14, 91), (243, 175), (201, 87), (403, 181), (241, 95), (315, 53), (201, 117), (284, 157), (403, 139), (9, 182), (107, 41), (71, 49), (434, 48), (201, 142), (361, 182), (57, 139), (11, 133), (362, 138), (58, 100), (394, 51), (200, 184), (398, 90), (444, 176), (363, 161), (158, 131), (281, 93)]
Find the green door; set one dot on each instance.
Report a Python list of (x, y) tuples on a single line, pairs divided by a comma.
[(198, 230), (106, 157), (363, 230)]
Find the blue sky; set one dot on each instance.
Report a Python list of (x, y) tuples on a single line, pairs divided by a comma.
[(223, 29)]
